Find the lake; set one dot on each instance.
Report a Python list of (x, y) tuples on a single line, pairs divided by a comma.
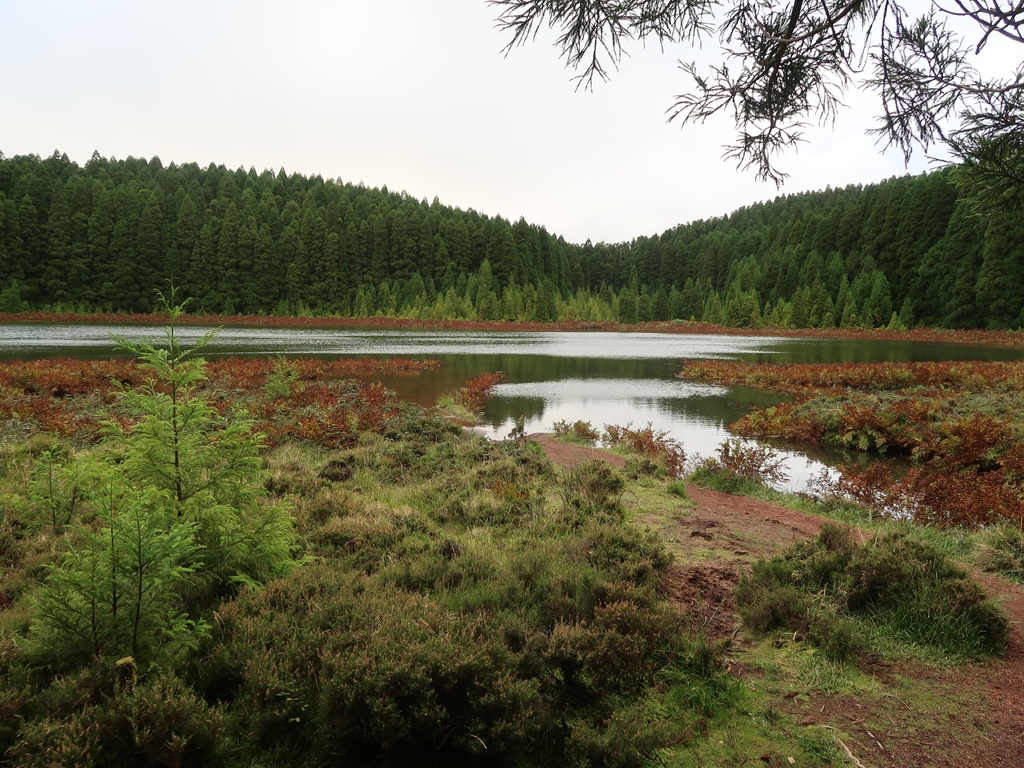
[(600, 377)]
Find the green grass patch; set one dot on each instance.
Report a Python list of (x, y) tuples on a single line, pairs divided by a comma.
[(1001, 550)]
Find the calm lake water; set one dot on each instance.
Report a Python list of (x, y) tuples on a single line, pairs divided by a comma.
[(603, 378)]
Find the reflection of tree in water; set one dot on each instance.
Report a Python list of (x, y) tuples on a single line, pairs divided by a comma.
[(529, 368), (721, 409), (501, 410)]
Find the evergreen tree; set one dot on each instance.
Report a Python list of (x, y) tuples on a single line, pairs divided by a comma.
[(379, 249), (179, 493), (458, 244), (55, 284), (266, 285), (122, 290), (405, 241), (485, 299), (26, 247), (149, 268), (800, 316), (186, 238), (691, 302), (878, 306), (503, 254), (298, 276), (101, 232), (546, 310), (1001, 276), (628, 306)]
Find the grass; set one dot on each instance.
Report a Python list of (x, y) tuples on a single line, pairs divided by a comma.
[(449, 407), (1000, 549)]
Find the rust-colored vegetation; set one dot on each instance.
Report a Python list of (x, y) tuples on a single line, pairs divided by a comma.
[(473, 396), (649, 442), (306, 399), (958, 422)]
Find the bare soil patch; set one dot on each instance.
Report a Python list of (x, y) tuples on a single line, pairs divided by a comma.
[(717, 538)]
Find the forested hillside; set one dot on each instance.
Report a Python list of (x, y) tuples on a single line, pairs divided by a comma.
[(102, 236)]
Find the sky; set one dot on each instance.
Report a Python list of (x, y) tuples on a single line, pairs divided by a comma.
[(419, 96)]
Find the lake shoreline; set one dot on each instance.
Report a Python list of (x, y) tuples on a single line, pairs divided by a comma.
[(954, 336)]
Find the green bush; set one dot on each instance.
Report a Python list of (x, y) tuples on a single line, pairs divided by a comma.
[(826, 588), (455, 646), (592, 487), (677, 488), (766, 607), (104, 716), (838, 637), (628, 553), (579, 432), (716, 478), (629, 737)]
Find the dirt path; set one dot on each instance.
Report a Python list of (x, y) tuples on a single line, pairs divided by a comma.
[(982, 722)]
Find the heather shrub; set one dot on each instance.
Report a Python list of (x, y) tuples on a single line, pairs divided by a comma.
[(104, 716), (453, 645), (896, 585), (591, 487), (628, 553)]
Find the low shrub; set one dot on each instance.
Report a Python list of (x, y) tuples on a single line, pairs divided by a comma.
[(766, 607), (382, 674), (740, 467), (593, 486), (649, 442), (103, 716), (828, 588), (475, 393), (708, 474), (582, 432), (677, 488)]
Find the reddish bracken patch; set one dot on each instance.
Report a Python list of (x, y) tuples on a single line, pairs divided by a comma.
[(650, 442), (473, 396), (969, 463), (316, 399)]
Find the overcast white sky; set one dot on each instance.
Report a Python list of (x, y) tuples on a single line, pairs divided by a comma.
[(413, 94)]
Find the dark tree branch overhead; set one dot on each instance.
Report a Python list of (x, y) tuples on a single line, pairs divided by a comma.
[(786, 63)]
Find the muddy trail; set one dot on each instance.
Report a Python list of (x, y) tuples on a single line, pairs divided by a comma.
[(977, 713)]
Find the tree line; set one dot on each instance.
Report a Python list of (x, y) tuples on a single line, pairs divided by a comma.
[(104, 235)]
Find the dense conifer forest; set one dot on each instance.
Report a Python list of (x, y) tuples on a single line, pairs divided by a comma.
[(103, 235)]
